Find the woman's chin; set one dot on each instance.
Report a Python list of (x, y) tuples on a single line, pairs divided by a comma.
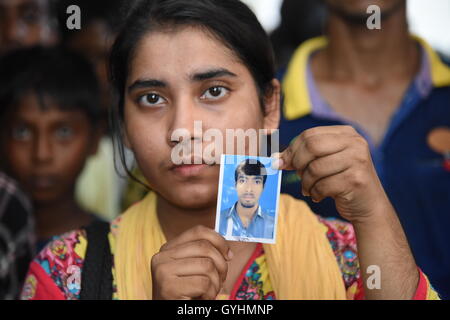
[(192, 199)]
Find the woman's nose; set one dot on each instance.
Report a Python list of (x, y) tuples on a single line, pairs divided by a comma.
[(185, 122)]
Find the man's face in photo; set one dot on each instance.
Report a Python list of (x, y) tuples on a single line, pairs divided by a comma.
[(249, 189)]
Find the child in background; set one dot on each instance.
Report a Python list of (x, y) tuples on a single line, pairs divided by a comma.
[(49, 102), (99, 187)]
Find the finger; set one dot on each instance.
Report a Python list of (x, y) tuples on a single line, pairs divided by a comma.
[(333, 186), (197, 267), (283, 160), (202, 249), (195, 287), (308, 148), (339, 130), (201, 233), (276, 160), (286, 156), (210, 294), (325, 167)]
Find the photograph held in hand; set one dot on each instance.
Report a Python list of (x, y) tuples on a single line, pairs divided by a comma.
[(247, 203)]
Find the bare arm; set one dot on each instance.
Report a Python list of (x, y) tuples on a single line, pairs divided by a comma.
[(383, 244), (335, 162)]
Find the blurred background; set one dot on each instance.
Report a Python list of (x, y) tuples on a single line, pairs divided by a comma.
[(428, 19)]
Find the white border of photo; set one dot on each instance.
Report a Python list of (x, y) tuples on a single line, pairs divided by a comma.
[(267, 162)]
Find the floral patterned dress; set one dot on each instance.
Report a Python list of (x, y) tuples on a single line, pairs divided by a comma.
[(56, 271)]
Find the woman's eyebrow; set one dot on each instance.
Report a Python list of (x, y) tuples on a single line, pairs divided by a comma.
[(211, 74), (146, 83), (201, 76)]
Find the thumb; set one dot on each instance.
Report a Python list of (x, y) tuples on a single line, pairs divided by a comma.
[(283, 160)]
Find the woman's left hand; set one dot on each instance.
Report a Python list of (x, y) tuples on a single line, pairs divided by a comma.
[(335, 161)]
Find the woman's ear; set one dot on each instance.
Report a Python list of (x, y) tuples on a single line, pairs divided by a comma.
[(272, 106)]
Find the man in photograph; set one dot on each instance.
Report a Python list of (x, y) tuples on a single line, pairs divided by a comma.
[(246, 218)]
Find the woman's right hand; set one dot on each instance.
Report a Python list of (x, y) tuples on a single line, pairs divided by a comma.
[(191, 266)]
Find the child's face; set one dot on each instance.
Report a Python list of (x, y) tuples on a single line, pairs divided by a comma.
[(45, 150), (177, 78)]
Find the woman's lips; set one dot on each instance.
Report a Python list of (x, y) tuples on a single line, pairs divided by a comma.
[(189, 170)]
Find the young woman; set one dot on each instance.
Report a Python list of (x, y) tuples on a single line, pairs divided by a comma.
[(180, 61)]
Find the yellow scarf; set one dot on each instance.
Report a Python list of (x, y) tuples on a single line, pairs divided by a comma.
[(301, 264)]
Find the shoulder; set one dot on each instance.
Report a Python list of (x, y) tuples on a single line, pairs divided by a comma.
[(63, 251), (223, 220), (224, 213), (342, 238), (56, 271), (292, 209), (295, 214), (267, 216)]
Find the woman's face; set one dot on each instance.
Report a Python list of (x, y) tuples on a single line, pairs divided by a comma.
[(177, 78)]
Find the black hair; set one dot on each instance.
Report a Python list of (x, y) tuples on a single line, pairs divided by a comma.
[(300, 21), (64, 76), (230, 21), (250, 167)]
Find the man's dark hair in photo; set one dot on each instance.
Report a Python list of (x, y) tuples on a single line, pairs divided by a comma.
[(250, 167)]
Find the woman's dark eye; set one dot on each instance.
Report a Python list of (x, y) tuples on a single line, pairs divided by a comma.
[(151, 99), (215, 93)]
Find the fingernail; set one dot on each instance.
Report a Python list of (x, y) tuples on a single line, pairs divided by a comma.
[(276, 155), (230, 254), (305, 193), (275, 164)]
